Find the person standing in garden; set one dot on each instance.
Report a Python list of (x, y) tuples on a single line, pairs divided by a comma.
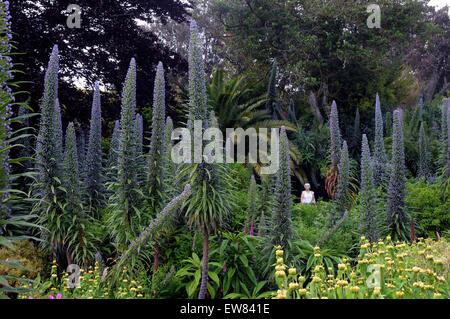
[(308, 195)]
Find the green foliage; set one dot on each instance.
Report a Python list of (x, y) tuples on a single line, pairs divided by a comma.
[(238, 257), (432, 213), (191, 274)]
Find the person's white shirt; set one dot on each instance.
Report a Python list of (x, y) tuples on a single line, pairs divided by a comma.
[(307, 197)]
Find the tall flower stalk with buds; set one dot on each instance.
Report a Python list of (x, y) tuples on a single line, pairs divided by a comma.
[(335, 144), (423, 168), (342, 193), (6, 100), (379, 153), (123, 219), (281, 223), (94, 154), (208, 208), (157, 143), (397, 220), (368, 224)]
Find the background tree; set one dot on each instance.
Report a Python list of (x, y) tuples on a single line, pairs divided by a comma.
[(111, 34)]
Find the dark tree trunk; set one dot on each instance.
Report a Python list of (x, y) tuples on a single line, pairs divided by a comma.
[(314, 107), (204, 283)]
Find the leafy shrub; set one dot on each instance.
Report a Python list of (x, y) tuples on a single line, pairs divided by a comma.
[(433, 214)]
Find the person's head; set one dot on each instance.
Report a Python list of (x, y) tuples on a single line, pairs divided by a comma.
[(307, 186)]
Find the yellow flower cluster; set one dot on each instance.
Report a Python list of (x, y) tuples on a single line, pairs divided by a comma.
[(383, 269)]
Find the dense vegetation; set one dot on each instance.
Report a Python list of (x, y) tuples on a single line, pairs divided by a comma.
[(107, 213)]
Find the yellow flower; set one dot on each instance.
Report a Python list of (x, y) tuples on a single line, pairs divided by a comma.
[(279, 252), (376, 291), (293, 285), (292, 271), (317, 255), (418, 284), (54, 275), (400, 293), (139, 295), (317, 248), (302, 292), (342, 267), (279, 260), (354, 289), (280, 268), (437, 261), (301, 278), (416, 269), (437, 295), (342, 282), (428, 257), (316, 279), (280, 273), (281, 294), (125, 280)]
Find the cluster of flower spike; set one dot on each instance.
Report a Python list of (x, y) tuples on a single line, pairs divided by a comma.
[(126, 158), (343, 180), (6, 100), (94, 150), (395, 208), (379, 152), (197, 77), (49, 141), (281, 215), (157, 143), (335, 135), (71, 172), (161, 218), (368, 225)]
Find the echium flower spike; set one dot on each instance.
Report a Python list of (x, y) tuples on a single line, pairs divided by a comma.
[(335, 135), (58, 132), (423, 169), (379, 153), (156, 152), (448, 137), (71, 172), (127, 151), (343, 180), (94, 153), (356, 132), (443, 135), (48, 141), (368, 222), (114, 145), (161, 219), (197, 77), (139, 127), (251, 207), (7, 99), (397, 221), (281, 214)]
